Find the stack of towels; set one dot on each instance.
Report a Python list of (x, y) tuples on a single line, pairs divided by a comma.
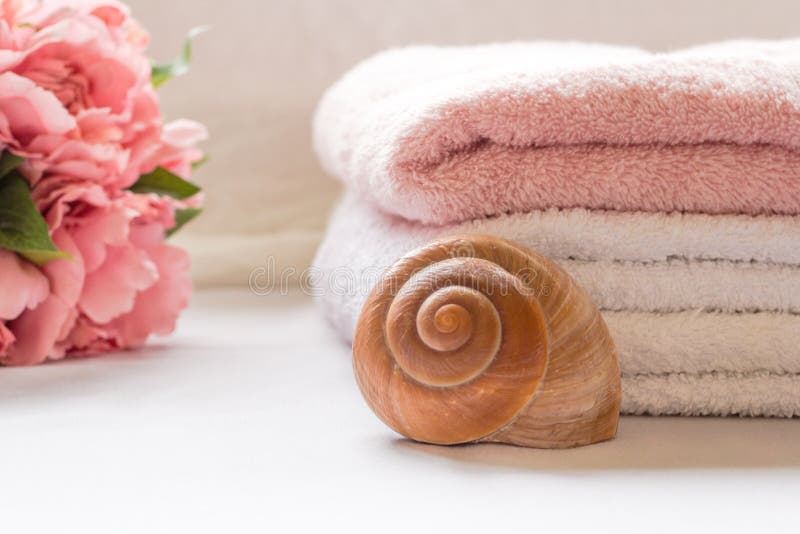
[(667, 185)]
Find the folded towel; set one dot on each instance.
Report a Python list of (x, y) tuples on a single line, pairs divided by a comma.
[(694, 361), (622, 260), (449, 134), (753, 395)]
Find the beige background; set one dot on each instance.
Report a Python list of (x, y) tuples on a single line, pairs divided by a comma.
[(259, 72)]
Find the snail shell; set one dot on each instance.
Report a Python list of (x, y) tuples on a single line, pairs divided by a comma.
[(474, 338)]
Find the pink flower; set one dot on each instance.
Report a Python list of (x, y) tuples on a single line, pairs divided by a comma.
[(118, 272), (179, 150), (77, 104), (22, 285), (141, 136), (80, 62), (121, 284), (37, 329), (77, 80), (113, 14), (136, 285), (28, 111), (156, 309)]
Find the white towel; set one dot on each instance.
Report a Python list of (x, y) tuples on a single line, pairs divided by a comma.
[(720, 351)]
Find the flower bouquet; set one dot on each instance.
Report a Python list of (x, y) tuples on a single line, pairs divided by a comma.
[(92, 183)]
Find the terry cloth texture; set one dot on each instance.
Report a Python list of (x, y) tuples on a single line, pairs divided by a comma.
[(449, 134)]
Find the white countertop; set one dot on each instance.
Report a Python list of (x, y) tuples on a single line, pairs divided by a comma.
[(248, 420)]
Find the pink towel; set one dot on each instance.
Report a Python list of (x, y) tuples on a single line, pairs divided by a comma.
[(450, 134)]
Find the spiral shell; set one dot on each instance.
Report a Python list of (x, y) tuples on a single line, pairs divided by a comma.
[(473, 338)]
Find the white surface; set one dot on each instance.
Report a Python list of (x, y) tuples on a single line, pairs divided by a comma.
[(248, 420)]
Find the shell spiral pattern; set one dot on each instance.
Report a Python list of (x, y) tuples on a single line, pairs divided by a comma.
[(474, 338)]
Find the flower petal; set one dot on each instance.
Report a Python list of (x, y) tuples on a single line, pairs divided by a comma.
[(157, 308), (37, 332), (66, 276), (31, 110), (22, 285), (111, 290)]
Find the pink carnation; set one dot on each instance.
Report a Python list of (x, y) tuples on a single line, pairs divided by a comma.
[(77, 103)]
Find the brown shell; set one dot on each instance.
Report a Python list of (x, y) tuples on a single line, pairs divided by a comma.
[(474, 338)]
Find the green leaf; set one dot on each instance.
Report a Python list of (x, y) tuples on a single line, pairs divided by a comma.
[(161, 74), (22, 227), (9, 162), (162, 182), (182, 217), (202, 161)]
